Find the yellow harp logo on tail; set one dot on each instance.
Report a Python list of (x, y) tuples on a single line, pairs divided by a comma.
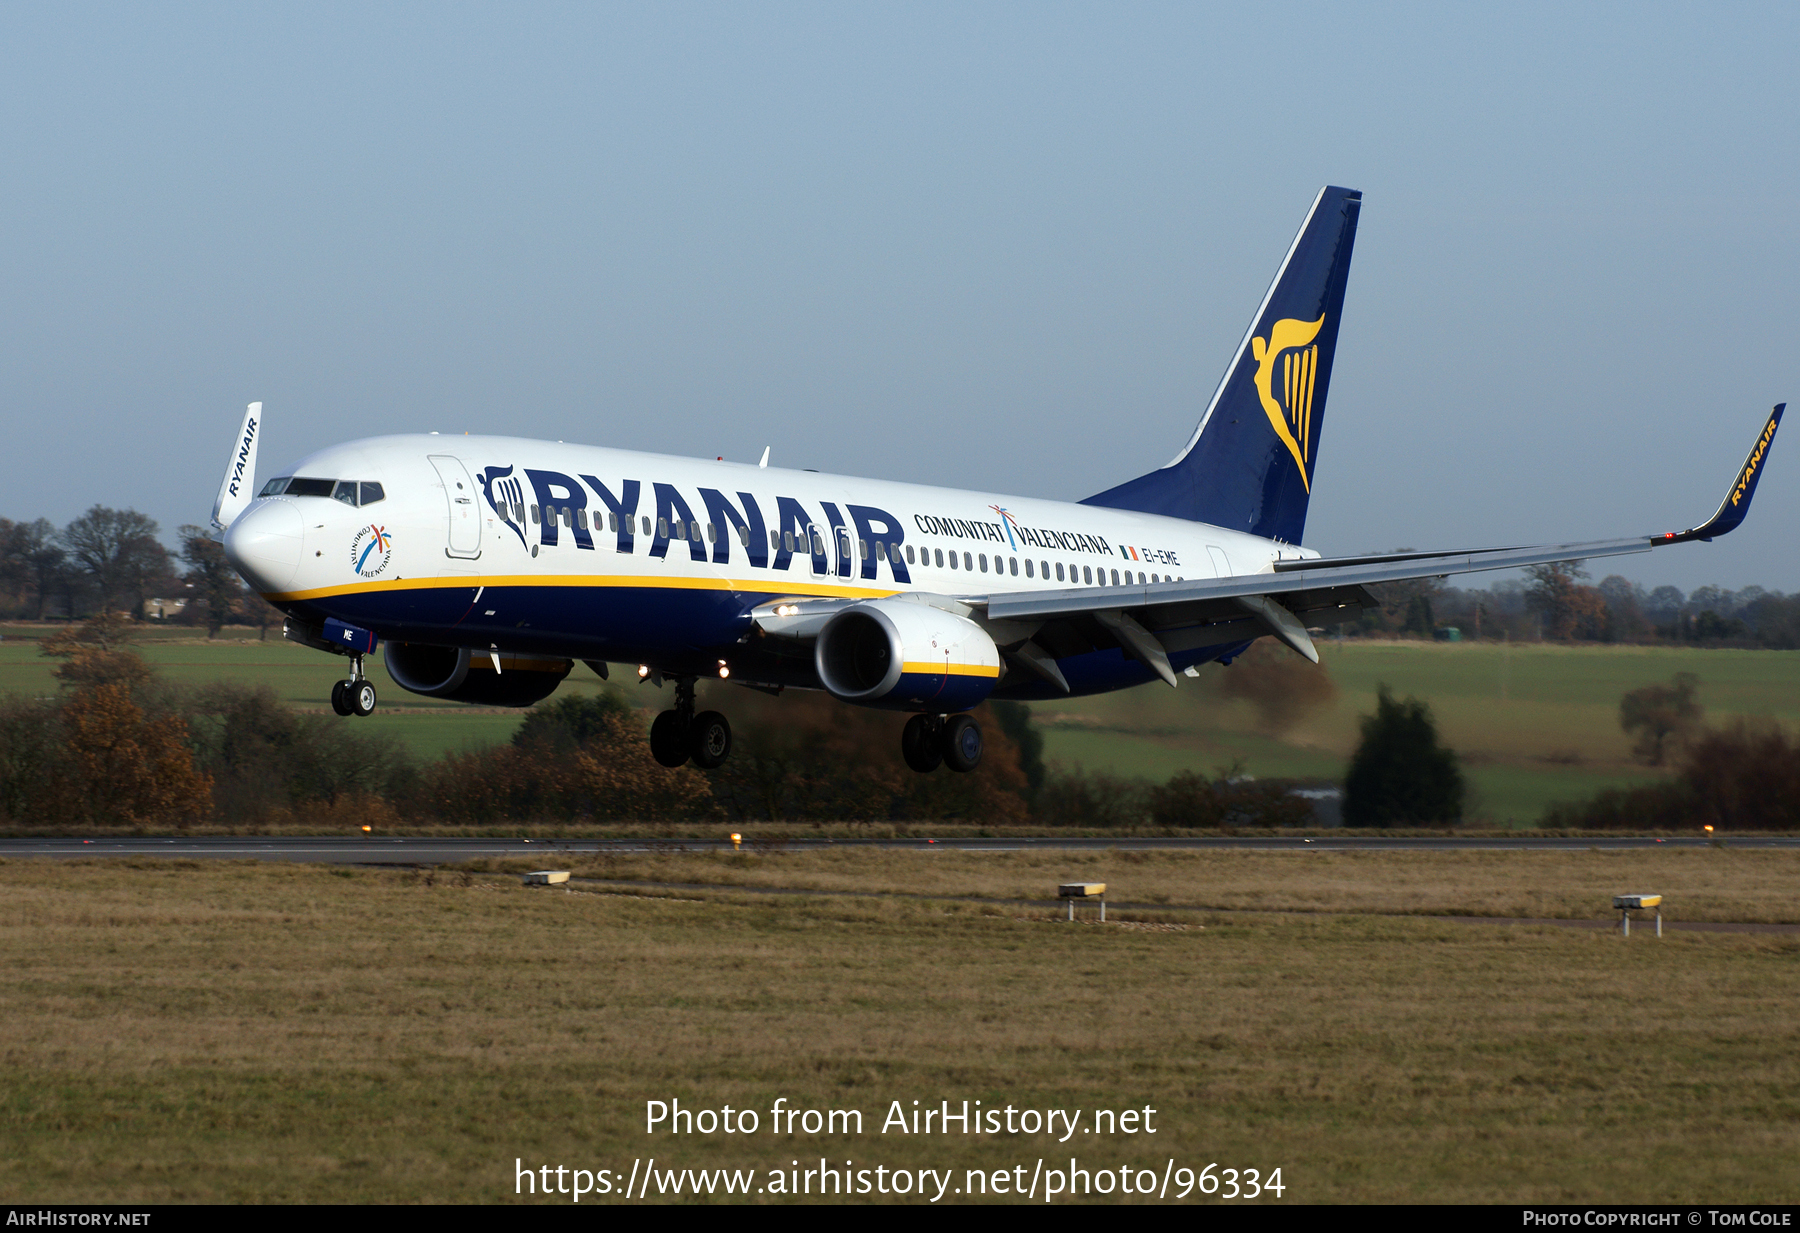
[(1290, 342)]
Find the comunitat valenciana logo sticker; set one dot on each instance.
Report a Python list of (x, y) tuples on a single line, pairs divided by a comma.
[(371, 551)]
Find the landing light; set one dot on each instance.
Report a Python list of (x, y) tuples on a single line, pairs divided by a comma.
[(724, 670), (786, 609), (643, 671)]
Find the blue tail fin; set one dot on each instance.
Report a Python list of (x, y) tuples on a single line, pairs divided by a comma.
[(1249, 465)]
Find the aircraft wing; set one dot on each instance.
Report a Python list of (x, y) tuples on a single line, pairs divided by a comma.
[(1151, 621)]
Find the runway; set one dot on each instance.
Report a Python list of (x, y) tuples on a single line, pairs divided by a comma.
[(415, 850)]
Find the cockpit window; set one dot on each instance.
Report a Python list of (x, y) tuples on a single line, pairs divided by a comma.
[(350, 492)]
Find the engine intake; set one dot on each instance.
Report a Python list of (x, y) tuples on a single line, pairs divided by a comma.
[(453, 673), (906, 656)]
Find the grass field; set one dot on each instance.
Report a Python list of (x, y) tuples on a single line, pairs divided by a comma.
[(263, 1032), (1702, 884), (1533, 723)]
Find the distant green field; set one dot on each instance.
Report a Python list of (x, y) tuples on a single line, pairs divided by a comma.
[(1533, 723), (300, 677)]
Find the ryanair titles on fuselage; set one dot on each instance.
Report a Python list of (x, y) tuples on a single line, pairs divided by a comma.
[(585, 508)]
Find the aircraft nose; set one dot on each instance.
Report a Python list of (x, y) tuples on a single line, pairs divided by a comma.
[(264, 543)]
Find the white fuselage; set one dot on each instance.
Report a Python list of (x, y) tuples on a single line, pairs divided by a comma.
[(547, 548)]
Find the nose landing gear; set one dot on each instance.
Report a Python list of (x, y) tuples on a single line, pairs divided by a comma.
[(679, 736), (355, 696), (954, 741)]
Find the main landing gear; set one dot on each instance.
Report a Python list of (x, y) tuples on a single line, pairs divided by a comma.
[(679, 736), (954, 740), (355, 696)]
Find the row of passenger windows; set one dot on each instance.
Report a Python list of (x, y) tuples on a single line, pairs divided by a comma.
[(785, 541), (350, 492)]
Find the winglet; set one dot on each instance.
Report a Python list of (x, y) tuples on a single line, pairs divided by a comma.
[(1736, 504), (237, 489)]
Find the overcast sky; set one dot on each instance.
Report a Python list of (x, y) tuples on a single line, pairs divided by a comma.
[(1003, 247)]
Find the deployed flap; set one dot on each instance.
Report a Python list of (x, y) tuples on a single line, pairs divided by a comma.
[(239, 485)]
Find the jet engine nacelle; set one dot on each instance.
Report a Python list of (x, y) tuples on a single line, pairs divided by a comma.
[(454, 673), (906, 656)]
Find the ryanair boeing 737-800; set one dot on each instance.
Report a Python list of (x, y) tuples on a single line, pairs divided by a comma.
[(489, 565)]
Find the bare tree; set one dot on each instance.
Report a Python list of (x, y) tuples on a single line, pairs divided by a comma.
[(31, 564), (1557, 598), (117, 548), (214, 582)]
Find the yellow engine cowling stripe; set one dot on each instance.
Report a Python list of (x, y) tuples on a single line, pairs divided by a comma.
[(926, 668)]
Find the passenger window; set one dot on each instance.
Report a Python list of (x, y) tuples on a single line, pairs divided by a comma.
[(1059, 573), (275, 487), (787, 539), (1028, 573), (1087, 575), (862, 549), (968, 561), (581, 520), (984, 562), (613, 523), (1154, 578), (880, 551), (775, 541), (744, 537), (910, 559), (534, 515), (818, 543), (662, 528), (952, 560), (371, 493), (1012, 564)]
